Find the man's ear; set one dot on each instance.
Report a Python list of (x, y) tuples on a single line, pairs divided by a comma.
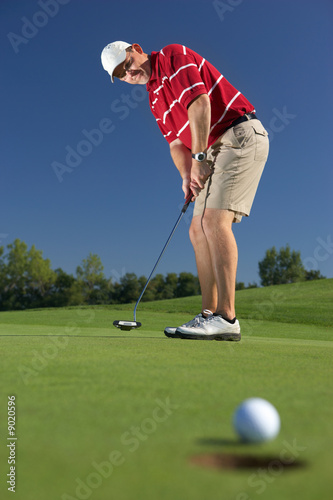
[(137, 48)]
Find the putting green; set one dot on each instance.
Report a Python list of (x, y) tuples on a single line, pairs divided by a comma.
[(108, 414)]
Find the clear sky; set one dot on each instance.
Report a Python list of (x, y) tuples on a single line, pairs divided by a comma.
[(121, 193)]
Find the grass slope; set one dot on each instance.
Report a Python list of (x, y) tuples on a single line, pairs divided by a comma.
[(308, 302), (106, 414)]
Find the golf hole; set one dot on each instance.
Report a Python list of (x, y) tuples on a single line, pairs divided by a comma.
[(225, 461)]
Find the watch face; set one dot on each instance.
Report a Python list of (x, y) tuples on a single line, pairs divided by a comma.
[(199, 156)]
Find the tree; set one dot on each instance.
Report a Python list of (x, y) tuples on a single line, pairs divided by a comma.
[(187, 285), (313, 275), (252, 285), (16, 268), (268, 268), (41, 277), (171, 282), (161, 288), (129, 288), (91, 280), (155, 289), (2, 277), (281, 267), (2, 267), (63, 292), (26, 278)]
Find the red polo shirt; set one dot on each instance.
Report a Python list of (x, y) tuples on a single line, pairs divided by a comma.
[(178, 76)]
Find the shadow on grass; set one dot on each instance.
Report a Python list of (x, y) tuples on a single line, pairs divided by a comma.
[(219, 442), (224, 461)]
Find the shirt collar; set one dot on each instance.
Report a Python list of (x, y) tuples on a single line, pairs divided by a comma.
[(154, 70)]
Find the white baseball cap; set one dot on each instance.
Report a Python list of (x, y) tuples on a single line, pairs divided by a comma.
[(112, 55)]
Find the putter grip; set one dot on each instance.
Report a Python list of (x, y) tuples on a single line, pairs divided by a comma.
[(187, 202)]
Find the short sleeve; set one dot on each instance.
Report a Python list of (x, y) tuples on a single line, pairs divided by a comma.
[(167, 134), (184, 77)]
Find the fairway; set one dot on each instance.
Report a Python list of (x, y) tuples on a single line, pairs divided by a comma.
[(102, 413)]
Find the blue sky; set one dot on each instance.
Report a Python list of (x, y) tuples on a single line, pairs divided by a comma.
[(122, 194)]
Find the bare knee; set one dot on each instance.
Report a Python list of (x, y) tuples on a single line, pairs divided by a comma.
[(196, 230), (217, 221)]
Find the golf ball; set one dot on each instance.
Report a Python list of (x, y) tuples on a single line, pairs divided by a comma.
[(256, 420)]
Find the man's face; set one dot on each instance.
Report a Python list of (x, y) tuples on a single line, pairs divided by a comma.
[(136, 68)]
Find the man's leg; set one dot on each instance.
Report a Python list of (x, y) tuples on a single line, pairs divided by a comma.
[(204, 265), (216, 256), (217, 225)]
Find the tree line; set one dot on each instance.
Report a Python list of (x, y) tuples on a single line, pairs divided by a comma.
[(28, 281)]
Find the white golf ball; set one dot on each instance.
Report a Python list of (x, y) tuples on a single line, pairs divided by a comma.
[(256, 420)]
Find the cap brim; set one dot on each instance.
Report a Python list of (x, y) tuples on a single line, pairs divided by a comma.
[(120, 59)]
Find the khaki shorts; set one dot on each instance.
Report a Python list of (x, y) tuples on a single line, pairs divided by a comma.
[(237, 160)]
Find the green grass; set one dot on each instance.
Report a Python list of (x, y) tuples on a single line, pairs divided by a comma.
[(142, 405)]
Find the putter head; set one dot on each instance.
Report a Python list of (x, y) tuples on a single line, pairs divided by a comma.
[(127, 325)]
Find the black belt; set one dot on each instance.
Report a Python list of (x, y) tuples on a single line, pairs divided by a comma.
[(241, 119)]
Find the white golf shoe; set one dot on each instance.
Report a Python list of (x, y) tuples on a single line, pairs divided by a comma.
[(171, 331), (212, 328)]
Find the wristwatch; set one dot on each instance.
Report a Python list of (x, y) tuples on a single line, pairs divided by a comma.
[(199, 156)]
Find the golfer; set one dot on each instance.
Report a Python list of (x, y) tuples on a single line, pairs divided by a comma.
[(219, 147)]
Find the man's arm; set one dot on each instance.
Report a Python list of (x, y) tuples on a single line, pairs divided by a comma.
[(194, 173), (182, 158), (199, 115)]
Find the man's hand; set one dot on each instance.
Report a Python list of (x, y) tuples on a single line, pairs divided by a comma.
[(200, 172), (194, 173), (186, 187)]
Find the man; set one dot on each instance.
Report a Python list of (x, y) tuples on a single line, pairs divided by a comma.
[(220, 149)]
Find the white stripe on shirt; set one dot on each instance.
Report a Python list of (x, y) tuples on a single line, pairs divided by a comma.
[(225, 111), (161, 86), (216, 83), (182, 129), (183, 67), (189, 88), (169, 110), (171, 77), (179, 99)]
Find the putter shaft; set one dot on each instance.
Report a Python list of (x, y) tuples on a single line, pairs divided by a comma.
[(185, 207)]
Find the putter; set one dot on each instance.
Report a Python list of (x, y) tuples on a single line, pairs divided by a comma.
[(130, 325)]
